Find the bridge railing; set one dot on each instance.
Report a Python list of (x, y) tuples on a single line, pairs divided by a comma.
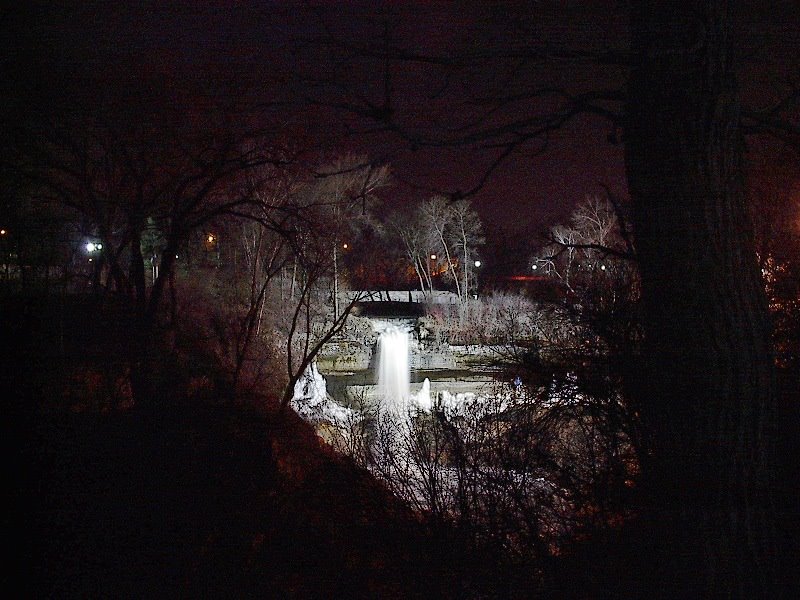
[(436, 297)]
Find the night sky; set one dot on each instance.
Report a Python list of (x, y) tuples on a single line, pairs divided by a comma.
[(284, 55)]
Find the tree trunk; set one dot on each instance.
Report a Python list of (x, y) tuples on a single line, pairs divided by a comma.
[(707, 386), (335, 281)]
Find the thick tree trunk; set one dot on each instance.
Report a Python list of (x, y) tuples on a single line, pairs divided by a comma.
[(708, 384)]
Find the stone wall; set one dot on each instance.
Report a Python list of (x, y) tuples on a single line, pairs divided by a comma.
[(345, 356), (356, 349), (352, 355)]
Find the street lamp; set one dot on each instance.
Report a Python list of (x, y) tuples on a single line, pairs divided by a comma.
[(477, 264), (93, 249), (431, 265)]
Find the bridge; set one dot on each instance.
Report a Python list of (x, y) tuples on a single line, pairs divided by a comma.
[(394, 303), (411, 296)]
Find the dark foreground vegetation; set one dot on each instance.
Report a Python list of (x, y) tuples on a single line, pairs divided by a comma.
[(141, 465), (193, 498), (201, 494)]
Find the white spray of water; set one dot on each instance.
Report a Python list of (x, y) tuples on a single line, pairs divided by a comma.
[(394, 377), (423, 397)]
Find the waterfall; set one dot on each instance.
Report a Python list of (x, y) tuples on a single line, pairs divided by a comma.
[(394, 378)]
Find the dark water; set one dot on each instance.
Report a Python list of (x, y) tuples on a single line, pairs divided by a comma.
[(338, 383)]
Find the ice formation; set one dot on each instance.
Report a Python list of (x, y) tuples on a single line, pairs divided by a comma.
[(311, 400)]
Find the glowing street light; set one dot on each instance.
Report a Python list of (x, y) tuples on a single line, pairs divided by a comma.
[(477, 264), (535, 267), (211, 242), (433, 257), (93, 246)]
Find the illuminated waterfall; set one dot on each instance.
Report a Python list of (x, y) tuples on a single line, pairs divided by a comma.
[(394, 378)]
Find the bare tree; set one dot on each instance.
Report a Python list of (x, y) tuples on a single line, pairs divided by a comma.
[(320, 212), (440, 234), (310, 324), (593, 253), (519, 470), (467, 236), (671, 96), (120, 181), (418, 242), (437, 214), (347, 188)]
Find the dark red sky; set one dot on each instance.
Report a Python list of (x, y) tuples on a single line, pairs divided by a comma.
[(158, 50), (173, 52)]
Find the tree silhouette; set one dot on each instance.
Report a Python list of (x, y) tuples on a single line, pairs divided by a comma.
[(705, 389)]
